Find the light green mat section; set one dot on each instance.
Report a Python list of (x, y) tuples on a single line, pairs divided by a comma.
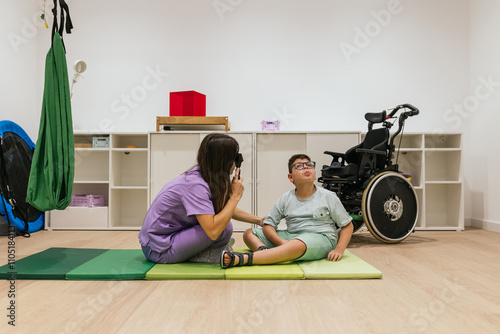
[(115, 264), (182, 271), (282, 271), (265, 272), (349, 267)]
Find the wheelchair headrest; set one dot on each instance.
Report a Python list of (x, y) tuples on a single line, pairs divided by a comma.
[(376, 117)]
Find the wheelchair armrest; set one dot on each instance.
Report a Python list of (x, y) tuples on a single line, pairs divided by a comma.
[(368, 151), (338, 159), (334, 154)]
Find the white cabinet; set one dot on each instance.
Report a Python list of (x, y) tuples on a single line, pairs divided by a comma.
[(172, 153), (274, 149)]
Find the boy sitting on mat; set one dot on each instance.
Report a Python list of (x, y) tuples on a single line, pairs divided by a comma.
[(310, 213)]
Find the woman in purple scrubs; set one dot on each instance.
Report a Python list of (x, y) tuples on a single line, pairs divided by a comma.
[(191, 215)]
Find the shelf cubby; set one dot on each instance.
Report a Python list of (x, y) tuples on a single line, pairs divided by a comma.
[(129, 169), (91, 165), (409, 141), (410, 163), (442, 166), (442, 205), (92, 189), (443, 141), (139, 140), (128, 207), (421, 207)]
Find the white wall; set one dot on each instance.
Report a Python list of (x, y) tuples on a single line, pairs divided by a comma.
[(264, 60), (19, 30), (278, 59), (482, 146)]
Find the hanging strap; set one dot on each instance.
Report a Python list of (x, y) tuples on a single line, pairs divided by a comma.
[(60, 28), (69, 24)]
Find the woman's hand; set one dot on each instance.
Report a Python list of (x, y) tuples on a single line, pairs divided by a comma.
[(260, 221), (237, 187)]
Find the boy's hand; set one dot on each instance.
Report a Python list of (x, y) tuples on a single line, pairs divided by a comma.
[(335, 255), (345, 236)]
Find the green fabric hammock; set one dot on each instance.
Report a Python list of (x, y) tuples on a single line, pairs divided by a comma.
[(53, 166)]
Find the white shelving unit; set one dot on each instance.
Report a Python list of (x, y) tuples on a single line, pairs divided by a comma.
[(129, 180), (434, 163), (119, 173), (131, 177), (444, 194)]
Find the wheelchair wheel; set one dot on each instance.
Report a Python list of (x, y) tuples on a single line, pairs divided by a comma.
[(390, 207)]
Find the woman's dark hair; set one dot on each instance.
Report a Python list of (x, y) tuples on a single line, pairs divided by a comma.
[(295, 157), (216, 155)]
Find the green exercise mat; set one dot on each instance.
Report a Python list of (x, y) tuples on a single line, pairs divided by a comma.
[(349, 267), (51, 264), (115, 264), (265, 272), (130, 264), (185, 271)]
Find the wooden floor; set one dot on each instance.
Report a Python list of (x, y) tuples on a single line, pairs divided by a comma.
[(433, 282)]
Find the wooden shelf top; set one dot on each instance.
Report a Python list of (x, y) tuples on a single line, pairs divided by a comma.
[(195, 120)]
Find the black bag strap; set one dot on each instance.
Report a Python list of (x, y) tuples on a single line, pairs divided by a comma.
[(5, 176)]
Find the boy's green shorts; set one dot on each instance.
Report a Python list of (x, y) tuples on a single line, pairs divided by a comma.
[(318, 244)]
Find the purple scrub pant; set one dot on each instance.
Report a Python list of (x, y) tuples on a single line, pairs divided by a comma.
[(188, 243)]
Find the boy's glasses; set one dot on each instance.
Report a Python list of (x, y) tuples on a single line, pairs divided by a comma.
[(301, 165)]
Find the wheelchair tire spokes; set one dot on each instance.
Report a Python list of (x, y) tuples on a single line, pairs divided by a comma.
[(390, 218)]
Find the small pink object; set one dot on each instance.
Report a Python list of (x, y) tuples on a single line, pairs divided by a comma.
[(270, 125), (89, 201)]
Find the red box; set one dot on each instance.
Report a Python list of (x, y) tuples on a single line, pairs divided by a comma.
[(189, 103)]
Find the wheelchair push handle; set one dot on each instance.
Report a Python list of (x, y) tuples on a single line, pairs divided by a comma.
[(413, 111)]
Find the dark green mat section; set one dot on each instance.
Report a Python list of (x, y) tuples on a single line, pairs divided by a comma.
[(349, 267), (185, 271), (115, 264), (51, 264)]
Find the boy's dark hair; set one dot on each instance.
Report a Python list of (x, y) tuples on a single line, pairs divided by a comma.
[(295, 157)]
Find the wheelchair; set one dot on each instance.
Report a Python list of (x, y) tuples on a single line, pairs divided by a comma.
[(370, 186)]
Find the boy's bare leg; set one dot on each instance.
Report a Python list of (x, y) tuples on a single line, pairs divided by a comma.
[(251, 240), (290, 250)]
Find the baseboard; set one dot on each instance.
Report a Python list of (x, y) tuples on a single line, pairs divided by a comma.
[(486, 225)]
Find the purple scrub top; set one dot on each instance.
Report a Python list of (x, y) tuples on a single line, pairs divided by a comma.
[(174, 209)]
